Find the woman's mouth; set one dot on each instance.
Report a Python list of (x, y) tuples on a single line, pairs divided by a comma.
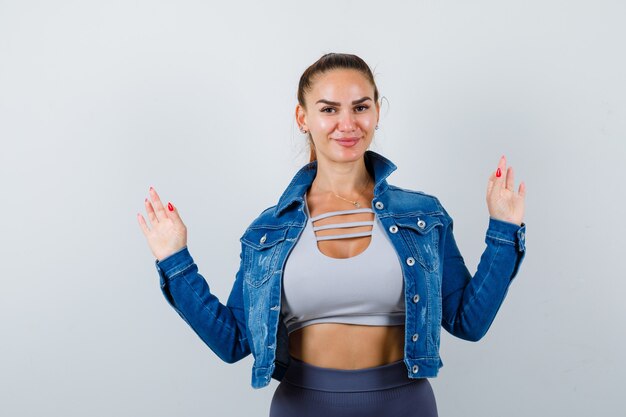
[(347, 142)]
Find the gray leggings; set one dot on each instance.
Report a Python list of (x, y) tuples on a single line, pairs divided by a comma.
[(382, 391)]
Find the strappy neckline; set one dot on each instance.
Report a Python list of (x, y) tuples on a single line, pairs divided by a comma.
[(338, 212), (317, 239)]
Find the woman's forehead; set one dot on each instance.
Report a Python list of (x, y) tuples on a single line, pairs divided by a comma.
[(340, 84)]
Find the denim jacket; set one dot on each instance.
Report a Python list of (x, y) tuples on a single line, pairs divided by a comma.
[(439, 289)]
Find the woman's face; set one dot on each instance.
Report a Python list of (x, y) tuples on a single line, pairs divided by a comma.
[(340, 114)]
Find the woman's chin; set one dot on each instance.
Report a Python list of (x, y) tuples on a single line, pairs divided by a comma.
[(349, 155)]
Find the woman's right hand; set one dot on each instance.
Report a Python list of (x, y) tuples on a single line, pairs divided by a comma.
[(168, 233)]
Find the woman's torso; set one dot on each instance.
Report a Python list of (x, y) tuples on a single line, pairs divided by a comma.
[(339, 345)]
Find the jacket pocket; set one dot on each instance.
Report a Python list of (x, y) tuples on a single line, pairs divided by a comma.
[(422, 234), (260, 247)]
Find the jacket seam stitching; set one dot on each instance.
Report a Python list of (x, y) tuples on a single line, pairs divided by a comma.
[(508, 242), (178, 273)]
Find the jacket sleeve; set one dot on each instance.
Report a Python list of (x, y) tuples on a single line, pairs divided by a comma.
[(470, 304), (221, 327)]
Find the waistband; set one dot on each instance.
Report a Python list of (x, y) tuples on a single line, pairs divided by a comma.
[(305, 375)]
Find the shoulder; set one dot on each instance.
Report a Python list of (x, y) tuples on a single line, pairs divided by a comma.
[(269, 220), (267, 217), (406, 199)]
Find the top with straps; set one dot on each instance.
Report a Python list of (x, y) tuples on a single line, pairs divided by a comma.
[(365, 289)]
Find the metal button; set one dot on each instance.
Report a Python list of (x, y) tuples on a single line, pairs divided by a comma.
[(415, 336), (415, 369), (410, 261), (393, 229), (421, 224), (416, 298), (379, 205), (264, 238)]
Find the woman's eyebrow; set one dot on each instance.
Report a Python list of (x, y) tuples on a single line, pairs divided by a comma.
[(334, 103)]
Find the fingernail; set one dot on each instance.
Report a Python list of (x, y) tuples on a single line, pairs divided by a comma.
[(170, 206), (498, 173), (146, 199)]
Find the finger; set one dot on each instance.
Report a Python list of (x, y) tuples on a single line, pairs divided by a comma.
[(510, 179), (522, 189), (493, 178), (159, 210), (151, 215), (143, 225), (173, 213), (499, 180)]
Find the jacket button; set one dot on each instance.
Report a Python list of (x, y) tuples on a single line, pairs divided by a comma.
[(416, 298), (410, 261), (264, 238), (415, 336), (393, 229), (379, 205), (415, 369), (421, 224)]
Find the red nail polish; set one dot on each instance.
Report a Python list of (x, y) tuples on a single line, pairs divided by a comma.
[(170, 206), (498, 173)]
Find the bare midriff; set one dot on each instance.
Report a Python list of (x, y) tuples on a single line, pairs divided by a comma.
[(347, 346)]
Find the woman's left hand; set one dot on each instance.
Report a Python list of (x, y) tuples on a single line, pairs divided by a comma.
[(502, 200)]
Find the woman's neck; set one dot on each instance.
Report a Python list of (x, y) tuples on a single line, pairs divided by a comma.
[(345, 179)]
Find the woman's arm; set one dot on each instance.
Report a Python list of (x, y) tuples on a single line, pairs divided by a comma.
[(221, 327), (470, 304)]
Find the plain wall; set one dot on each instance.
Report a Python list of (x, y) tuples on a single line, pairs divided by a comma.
[(100, 100)]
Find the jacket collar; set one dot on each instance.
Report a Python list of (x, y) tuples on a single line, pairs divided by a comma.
[(377, 165)]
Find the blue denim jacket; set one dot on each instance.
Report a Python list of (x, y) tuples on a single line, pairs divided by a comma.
[(439, 289)]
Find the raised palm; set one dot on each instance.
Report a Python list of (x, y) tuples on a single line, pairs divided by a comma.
[(167, 234), (503, 202)]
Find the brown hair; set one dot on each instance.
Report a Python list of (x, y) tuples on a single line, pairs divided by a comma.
[(326, 63)]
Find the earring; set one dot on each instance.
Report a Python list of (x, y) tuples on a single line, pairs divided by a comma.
[(376, 127), (303, 130)]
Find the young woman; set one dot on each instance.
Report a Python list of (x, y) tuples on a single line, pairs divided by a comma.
[(345, 283)]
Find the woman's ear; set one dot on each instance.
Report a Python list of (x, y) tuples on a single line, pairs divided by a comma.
[(301, 117)]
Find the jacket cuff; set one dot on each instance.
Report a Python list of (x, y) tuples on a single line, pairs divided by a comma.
[(507, 232), (174, 264)]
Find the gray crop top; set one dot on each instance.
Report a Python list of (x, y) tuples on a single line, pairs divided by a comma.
[(366, 289)]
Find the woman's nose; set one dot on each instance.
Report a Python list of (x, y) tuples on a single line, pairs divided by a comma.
[(346, 122)]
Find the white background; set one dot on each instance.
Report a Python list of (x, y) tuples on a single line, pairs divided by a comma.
[(100, 100)]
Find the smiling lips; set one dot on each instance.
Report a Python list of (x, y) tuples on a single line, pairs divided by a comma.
[(347, 142)]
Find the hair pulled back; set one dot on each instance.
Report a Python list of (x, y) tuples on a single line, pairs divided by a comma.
[(327, 63)]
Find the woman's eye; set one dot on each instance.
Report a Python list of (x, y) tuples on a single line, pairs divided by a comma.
[(327, 110), (361, 108)]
